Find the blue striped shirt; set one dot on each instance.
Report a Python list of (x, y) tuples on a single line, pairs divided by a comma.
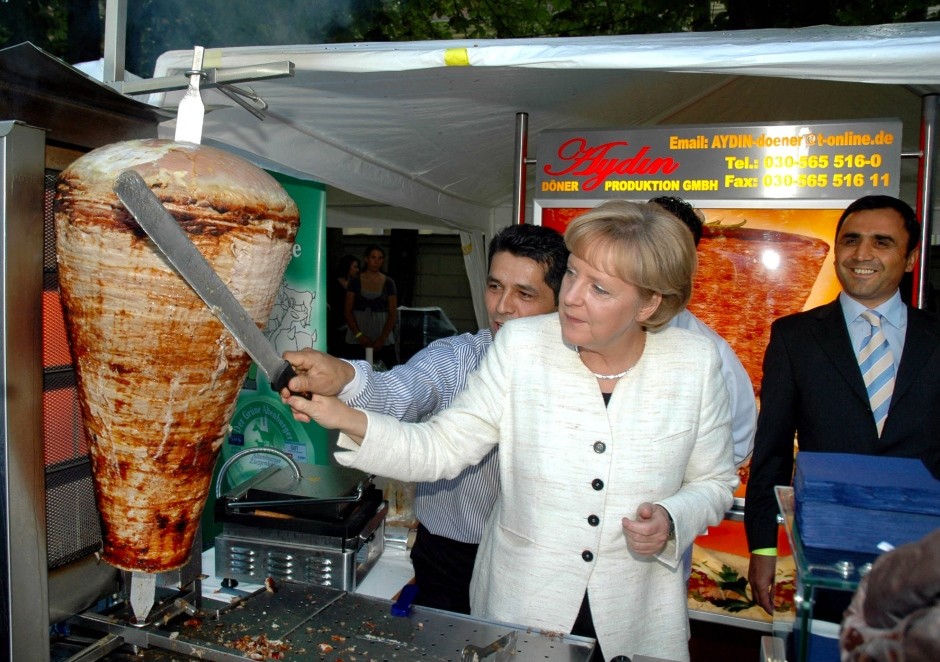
[(455, 508)]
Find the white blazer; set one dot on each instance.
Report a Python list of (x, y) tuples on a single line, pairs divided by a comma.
[(570, 469)]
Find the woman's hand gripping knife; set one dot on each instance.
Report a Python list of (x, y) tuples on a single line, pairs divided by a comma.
[(320, 377)]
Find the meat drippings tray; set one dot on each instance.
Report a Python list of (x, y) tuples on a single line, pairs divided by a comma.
[(299, 622)]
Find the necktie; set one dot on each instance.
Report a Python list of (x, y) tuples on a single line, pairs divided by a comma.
[(877, 367)]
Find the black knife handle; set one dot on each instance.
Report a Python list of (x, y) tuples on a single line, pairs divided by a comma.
[(282, 378)]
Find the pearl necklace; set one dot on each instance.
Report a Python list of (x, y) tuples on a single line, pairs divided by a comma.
[(606, 377)]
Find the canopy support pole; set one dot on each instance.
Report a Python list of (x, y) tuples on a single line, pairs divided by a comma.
[(519, 168), (925, 187), (115, 35)]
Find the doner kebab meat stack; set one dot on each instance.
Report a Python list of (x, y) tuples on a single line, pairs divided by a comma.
[(158, 374)]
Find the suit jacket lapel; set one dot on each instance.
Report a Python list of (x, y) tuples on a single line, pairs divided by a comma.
[(833, 336), (920, 342)]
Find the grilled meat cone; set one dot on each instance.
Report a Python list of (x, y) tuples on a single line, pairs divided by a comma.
[(158, 375)]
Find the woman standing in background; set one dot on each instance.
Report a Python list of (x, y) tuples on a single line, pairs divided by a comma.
[(371, 311), (346, 269)]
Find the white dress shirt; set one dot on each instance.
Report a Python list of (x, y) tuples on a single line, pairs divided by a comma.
[(737, 381)]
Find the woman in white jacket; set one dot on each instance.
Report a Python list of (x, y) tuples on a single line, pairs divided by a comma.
[(614, 438)]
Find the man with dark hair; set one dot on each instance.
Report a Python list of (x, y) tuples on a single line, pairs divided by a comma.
[(526, 265), (684, 212), (737, 381), (857, 375)]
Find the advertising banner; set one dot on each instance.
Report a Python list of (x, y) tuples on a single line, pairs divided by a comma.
[(297, 321), (771, 196), (766, 249), (826, 160)]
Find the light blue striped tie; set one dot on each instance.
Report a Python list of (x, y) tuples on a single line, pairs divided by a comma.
[(877, 367)]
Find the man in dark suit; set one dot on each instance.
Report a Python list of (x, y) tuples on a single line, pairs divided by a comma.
[(813, 386)]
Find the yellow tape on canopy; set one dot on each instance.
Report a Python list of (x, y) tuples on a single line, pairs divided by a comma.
[(456, 57)]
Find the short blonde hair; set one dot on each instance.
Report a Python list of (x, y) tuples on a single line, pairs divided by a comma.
[(642, 244)]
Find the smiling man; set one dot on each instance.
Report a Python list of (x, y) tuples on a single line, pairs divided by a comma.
[(526, 265), (857, 375)]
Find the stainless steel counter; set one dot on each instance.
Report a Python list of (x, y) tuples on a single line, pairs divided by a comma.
[(300, 622)]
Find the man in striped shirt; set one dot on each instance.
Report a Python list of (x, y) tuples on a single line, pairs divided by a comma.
[(737, 381), (526, 265)]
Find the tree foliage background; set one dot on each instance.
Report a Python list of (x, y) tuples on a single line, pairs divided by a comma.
[(74, 29)]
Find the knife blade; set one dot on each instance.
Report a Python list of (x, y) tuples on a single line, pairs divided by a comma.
[(163, 229)]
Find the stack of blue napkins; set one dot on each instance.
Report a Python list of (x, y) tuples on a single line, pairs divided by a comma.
[(855, 502)]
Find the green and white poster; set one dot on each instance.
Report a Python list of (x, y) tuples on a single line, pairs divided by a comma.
[(297, 321)]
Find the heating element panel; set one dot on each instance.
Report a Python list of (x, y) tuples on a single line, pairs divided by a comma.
[(73, 527)]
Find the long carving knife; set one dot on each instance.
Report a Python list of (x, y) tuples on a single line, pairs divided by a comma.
[(163, 229)]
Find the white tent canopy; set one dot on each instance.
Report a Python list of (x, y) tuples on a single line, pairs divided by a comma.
[(423, 132)]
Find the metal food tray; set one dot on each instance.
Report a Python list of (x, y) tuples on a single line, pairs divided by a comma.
[(301, 623)]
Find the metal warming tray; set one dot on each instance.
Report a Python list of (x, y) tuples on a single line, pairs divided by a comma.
[(302, 622), (307, 523)]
